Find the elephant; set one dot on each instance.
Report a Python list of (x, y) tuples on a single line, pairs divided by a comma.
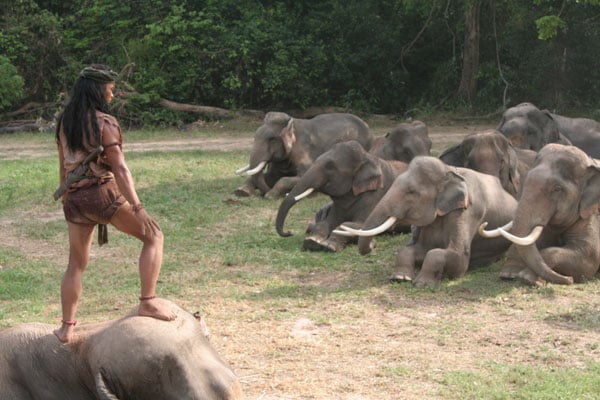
[(555, 233), (491, 152), (582, 132), (129, 358), (528, 127), (290, 145), (403, 143), (447, 204), (354, 180)]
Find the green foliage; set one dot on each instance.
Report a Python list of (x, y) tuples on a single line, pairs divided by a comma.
[(371, 56), (11, 84), (548, 26)]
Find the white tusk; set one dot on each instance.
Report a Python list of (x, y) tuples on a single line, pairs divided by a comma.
[(304, 194), (523, 241), (495, 232), (343, 233), (258, 168), (243, 169), (371, 232)]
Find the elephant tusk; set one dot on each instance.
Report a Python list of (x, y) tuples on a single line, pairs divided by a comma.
[(371, 232), (304, 194), (495, 232), (243, 169), (523, 241), (342, 232), (258, 168)]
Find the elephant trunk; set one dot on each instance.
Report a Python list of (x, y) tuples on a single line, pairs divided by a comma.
[(282, 213), (528, 224), (258, 181), (529, 252), (365, 243), (311, 181)]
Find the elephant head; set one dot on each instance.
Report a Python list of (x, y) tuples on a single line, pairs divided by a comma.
[(528, 127), (555, 229), (343, 173), (289, 145), (403, 143), (427, 189), (273, 141), (491, 153)]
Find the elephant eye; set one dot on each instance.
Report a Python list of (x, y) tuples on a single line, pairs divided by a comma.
[(557, 189)]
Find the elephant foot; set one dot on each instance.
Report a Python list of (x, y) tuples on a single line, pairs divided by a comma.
[(243, 191), (274, 194), (402, 276), (530, 278), (510, 272), (313, 243), (428, 279)]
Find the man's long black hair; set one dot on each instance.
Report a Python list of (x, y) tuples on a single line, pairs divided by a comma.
[(79, 116)]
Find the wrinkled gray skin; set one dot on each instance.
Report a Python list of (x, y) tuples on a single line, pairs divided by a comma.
[(448, 204), (561, 193), (354, 180), (292, 144), (582, 132), (492, 153), (130, 358), (528, 127), (403, 143)]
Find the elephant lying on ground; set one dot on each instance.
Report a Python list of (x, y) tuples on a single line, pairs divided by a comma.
[(403, 143), (491, 152), (447, 204), (556, 228), (129, 358), (528, 127), (295, 143), (354, 180)]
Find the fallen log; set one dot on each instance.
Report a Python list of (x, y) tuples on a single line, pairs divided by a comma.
[(205, 110)]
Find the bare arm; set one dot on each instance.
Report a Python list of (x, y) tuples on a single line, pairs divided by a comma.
[(123, 177)]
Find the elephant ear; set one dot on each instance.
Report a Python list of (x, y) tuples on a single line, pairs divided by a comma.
[(453, 194), (513, 172), (288, 136), (550, 126), (102, 390), (454, 156), (590, 198), (369, 176)]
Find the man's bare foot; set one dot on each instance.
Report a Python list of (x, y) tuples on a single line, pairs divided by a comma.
[(65, 332), (150, 306)]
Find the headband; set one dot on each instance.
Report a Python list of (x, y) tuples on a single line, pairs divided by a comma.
[(98, 75)]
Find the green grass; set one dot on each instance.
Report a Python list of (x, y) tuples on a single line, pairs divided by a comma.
[(220, 246), (514, 382)]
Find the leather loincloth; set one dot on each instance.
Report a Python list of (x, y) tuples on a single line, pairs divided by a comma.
[(94, 204)]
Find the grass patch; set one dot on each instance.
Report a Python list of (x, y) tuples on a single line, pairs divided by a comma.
[(515, 382), (365, 337)]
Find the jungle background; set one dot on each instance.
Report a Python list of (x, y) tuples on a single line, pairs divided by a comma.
[(399, 57)]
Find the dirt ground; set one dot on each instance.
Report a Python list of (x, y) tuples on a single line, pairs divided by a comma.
[(386, 347)]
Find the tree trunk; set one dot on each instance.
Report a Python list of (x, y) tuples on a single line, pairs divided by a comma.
[(470, 55)]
